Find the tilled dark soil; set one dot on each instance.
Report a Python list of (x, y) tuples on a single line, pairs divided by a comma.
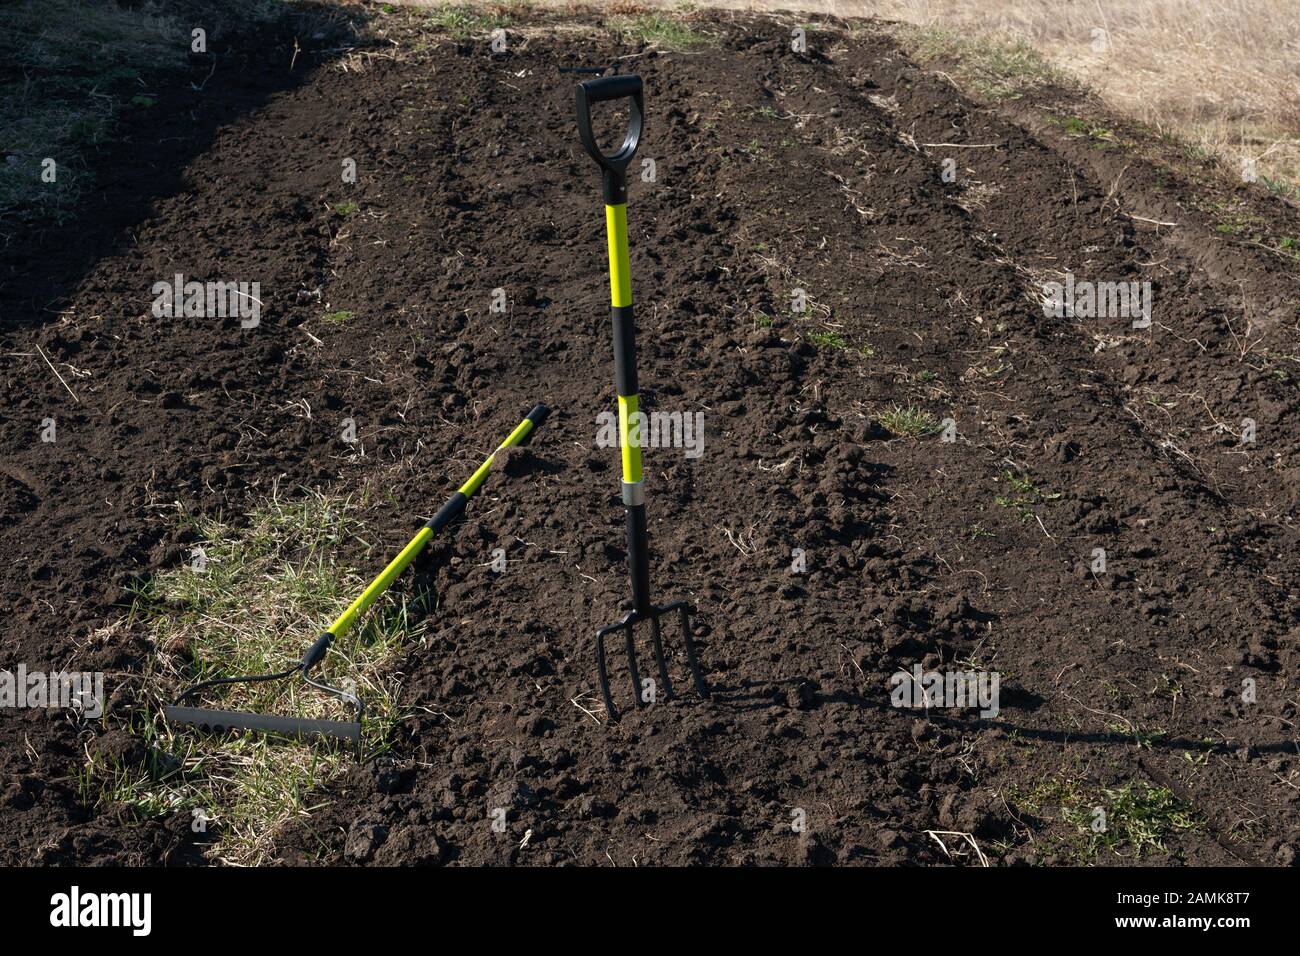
[(774, 171)]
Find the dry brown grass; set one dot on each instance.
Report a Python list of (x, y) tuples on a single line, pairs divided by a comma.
[(1222, 74)]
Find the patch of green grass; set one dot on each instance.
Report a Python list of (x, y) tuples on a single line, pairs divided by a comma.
[(910, 422), (1281, 187), (827, 340), (1128, 820), (660, 30), (345, 209), (1141, 736), (1241, 225), (268, 587), (1250, 228), (463, 21), (1024, 495), (337, 318), (994, 65), (1197, 760), (1074, 126)]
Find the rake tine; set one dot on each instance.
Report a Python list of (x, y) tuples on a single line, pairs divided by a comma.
[(659, 656), (627, 626)]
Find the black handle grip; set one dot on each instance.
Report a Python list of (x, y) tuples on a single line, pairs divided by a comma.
[(614, 165), (612, 87), (537, 416), (316, 651)]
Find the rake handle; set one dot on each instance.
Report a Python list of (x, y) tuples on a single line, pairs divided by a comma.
[(220, 720), (448, 513)]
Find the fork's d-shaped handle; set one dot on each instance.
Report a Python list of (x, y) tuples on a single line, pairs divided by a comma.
[(615, 164)]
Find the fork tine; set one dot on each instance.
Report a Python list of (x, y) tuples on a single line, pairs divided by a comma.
[(659, 657), (701, 687), (631, 664), (601, 675)]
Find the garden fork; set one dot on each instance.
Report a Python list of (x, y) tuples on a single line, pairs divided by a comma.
[(614, 168)]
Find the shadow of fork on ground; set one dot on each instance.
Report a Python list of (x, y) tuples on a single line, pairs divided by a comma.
[(760, 695)]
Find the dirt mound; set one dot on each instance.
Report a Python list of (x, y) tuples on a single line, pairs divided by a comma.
[(829, 533)]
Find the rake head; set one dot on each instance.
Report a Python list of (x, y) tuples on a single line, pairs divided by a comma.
[(642, 693), (210, 720), (213, 721)]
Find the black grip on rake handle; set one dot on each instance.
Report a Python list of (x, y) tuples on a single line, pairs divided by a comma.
[(537, 416), (614, 165), (316, 651)]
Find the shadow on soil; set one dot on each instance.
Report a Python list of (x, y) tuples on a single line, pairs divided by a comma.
[(147, 151)]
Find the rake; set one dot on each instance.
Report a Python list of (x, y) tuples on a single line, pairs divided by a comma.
[(614, 174), (215, 721)]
